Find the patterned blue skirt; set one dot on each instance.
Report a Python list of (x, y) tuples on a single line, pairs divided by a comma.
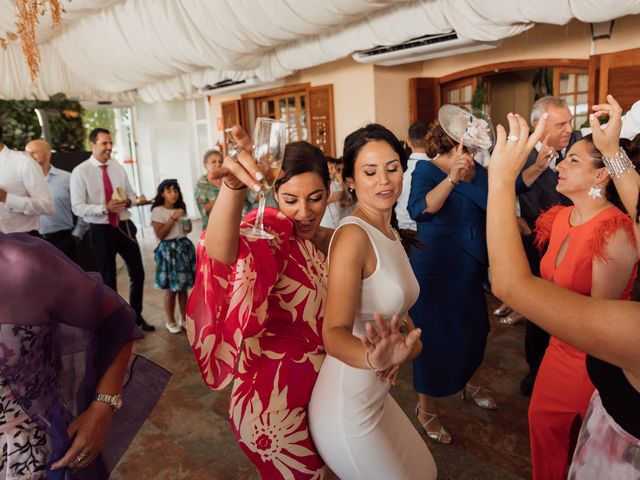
[(175, 264)]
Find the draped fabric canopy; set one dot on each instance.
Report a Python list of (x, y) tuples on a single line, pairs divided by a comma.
[(166, 49)]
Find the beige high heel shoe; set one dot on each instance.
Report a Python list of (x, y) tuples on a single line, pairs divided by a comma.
[(441, 436), (485, 402)]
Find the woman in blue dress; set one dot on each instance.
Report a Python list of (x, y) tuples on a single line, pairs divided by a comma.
[(448, 200)]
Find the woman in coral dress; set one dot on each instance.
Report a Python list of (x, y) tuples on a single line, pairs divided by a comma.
[(255, 313), (591, 251)]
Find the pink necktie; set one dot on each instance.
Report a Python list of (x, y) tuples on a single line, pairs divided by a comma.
[(108, 192)]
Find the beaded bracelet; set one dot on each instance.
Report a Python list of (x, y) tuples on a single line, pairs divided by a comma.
[(618, 164)]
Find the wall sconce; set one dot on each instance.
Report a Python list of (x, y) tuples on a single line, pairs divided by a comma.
[(601, 30)]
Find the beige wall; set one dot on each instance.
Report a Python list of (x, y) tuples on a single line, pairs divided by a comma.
[(391, 96), (625, 35), (544, 41), (364, 93), (353, 95)]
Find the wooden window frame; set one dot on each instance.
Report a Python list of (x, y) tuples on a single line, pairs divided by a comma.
[(557, 72)]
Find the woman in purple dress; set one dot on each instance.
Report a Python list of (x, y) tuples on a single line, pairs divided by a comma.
[(65, 345)]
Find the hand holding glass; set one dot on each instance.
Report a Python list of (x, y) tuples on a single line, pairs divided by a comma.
[(270, 139)]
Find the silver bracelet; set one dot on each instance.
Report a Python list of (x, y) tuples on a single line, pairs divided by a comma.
[(618, 164), (366, 359)]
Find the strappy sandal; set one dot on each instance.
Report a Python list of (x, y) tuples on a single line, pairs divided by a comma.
[(472, 392), (440, 436)]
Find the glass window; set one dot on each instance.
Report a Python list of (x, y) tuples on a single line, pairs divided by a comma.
[(290, 108), (573, 87)]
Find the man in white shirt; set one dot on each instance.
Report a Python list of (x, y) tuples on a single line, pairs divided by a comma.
[(57, 229), (415, 141), (24, 194), (337, 192), (101, 195)]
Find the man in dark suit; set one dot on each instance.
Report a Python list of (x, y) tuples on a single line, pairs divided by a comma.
[(558, 138)]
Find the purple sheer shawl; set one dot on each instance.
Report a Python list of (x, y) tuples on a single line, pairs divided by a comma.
[(60, 328)]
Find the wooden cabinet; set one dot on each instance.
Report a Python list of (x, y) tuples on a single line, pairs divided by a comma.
[(307, 110), (424, 99), (321, 126)]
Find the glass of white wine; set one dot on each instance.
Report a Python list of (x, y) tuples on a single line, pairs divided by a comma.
[(269, 140)]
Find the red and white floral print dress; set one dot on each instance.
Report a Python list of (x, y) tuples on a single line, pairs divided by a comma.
[(259, 322)]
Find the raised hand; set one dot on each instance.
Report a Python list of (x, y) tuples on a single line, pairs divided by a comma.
[(545, 155), (244, 171), (607, 139), (386, 346), (462, 164), (510, 153)]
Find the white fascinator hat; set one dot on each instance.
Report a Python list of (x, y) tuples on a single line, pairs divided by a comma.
[(475, 130)]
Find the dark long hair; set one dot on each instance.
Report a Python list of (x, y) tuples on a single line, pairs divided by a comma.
[(632, 150), (158, 200), (355, 141), (374, 132), (302, 157)]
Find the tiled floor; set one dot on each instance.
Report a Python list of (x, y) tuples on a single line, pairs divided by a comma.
[(188, 435)]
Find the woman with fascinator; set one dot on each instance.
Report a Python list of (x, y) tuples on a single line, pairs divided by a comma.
[(448, 200)]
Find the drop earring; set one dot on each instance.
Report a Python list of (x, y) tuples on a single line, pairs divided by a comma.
[(595, 192)]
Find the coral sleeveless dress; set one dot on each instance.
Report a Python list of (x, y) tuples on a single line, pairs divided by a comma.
[(563, 389), (357, 427)]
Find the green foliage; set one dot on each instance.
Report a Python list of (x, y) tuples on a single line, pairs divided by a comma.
[(478, 98), (98, 118), (20, 123), (542, 82)]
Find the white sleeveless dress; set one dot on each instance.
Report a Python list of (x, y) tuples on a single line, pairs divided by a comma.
[(357, 427)]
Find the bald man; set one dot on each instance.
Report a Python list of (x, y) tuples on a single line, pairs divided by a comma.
[(58, 229), (24, 194)]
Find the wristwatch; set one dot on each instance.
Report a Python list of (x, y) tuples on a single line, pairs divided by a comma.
[(105, 210), (114, 401)]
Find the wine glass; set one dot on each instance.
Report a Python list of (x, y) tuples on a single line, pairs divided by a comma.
[(270, 138)]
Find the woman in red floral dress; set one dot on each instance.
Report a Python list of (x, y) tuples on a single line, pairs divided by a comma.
[(255, 313)]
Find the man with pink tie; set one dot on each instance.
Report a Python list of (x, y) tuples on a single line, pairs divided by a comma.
[(101, 195)]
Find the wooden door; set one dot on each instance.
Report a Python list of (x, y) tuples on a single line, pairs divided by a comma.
[(424, 99), (620, 77), (321, 124), (231, 115)]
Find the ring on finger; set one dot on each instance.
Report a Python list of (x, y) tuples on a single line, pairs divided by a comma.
[(234, 152), (81, 457), (513, 138)]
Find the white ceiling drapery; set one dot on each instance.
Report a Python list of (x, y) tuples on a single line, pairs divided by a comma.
[(166, 49)]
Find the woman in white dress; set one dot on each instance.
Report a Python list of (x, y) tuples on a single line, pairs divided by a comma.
[(357, 427)]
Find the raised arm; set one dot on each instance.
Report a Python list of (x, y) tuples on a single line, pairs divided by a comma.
[(607, 329), (531, 174), (221, 239), (607, 141)]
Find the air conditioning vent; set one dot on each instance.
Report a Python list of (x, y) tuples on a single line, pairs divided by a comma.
[(421, 48), (239, 86)]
